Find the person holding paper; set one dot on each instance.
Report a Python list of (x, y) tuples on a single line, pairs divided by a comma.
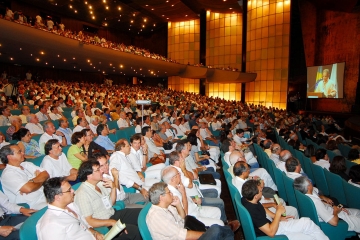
[(95, 203), (326, 86), (62, 219)]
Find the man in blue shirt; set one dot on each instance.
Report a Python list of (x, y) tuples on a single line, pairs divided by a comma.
[(103, 139)]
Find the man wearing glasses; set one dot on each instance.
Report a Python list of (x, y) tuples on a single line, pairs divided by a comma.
[(165, 218), (95, 203), (22, 181), (62, 219)]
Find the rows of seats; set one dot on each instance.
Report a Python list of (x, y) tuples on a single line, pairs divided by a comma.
[(329, 183)]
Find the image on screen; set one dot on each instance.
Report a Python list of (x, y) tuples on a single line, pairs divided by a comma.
[(325, 81)]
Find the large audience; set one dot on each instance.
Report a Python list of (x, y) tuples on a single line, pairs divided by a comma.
[(48, 25), (59, 137)]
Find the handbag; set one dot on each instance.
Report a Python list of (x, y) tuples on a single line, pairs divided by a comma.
[(157, 160), (191, 223), (168, 146)]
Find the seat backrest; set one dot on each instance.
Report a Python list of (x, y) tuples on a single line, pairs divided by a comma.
[(143, 228), (271, 166), (307, 168), (336, 188), (352, 194), (37, 161), (233, 192), (28, 229), (245, 219), (76, 186), (279, 177), (320, 179), (306, 207), (300, 156), (344, 149), (112, 125), (288, 182), (330, 154)]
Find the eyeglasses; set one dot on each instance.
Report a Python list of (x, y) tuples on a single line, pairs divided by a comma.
[(67, 190), (167, 193)]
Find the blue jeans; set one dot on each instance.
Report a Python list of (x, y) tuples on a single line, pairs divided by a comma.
[(218, 232), (209, 193), (215, 202)]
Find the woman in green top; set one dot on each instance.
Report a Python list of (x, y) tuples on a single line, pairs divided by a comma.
[(75, 154)]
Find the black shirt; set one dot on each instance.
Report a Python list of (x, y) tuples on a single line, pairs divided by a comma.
[(258, 215)]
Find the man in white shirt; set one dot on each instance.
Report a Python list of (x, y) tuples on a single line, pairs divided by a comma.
[(130, 199), (275, 152), (123, 121), (22, 181), (56, 163), (239, 137), (94, 122), (153, 150), (33, 125), (325, 209), (25, 111), (81, 124), (138, 159), (205, 214), (206, 134), (51, 133), (127, 175), (177, 125), (54, 113), (322, 159), (42, 113), (79, 113), (62, 219)]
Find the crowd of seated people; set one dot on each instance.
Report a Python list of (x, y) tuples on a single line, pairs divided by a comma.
[(185, 131), (59, 29)]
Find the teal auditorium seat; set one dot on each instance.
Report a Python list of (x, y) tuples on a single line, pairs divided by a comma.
[(300, 156), (288, 182), (37, 161), (143, 228), (352, 194), (344, 149), (28, 229), (15, 112), (307, 209), (247, 224), (336, 188), (233, 192), (320, 179), (112, 125), (279, 179), (307, 168)]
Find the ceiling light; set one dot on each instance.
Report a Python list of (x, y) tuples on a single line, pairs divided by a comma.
[(185, 15), (172, 5), (107, 8), (121, 66), (42, 53), (145, 20), (110, 64), (70, 6), (75, 11), (58, 55), (53, 66), (90, 7), (73, 58), (104, 1), (37, 59), (31, 54), (90, 64), (91, 12), (131, 21), (146, 5), (143, 26), (20, 49), (11, 59), (230, 8), (64, 60), (46, 63), (88, 60), (119, 8), (152, 9), (85, 2), (154, 24), (93, 17)]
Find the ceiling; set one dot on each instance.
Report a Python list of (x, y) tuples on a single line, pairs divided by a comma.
[(141, 16)]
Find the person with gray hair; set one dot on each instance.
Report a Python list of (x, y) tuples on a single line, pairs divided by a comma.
[(238, 156), (33, 125), (51, 133), (166, 219), (275, 152), (207, 214), (283, 156), (325, 209), (326, 86)]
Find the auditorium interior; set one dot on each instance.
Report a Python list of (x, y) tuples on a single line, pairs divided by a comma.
[(250, 51)]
